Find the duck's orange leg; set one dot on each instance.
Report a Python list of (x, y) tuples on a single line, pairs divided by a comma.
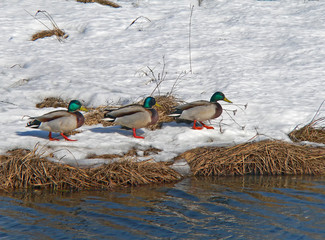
[(66, 138), (196, 127), (135, 134), (208, 127), (52, 139)]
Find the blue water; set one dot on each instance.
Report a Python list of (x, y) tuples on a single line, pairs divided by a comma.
[(251, 207)]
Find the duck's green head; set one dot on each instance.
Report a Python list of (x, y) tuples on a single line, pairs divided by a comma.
[(75, 105), (217, 96), (149, 102)]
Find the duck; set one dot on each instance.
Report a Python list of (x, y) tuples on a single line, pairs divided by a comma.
[(134, 116), (201, 110), (60, 121)]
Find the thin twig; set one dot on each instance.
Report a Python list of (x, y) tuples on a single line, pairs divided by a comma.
[(242, 127), (136, 20), (317, 111), (37, 19)]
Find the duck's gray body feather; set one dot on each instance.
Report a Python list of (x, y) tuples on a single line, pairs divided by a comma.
[(133, 116), (199, 110), (58, 121)]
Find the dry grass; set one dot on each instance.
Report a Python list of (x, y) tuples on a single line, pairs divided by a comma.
[(312, 132), (49, 33), (133, 153), (103, 2), (260, 158), (52, 102), (95, 116), (24, 169)]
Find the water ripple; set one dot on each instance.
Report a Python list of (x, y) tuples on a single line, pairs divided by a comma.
[(209, 208)]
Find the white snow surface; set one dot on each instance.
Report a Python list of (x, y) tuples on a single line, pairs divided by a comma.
[(267, 54)]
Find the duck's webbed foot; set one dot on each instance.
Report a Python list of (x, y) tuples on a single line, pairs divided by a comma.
[(207, 127), (51, 138), (66, 138)]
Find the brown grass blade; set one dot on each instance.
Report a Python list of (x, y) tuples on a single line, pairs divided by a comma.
[(24, 169), (260, 158)]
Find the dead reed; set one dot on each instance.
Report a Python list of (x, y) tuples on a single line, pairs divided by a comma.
[(133, 153), (54, 31), (102, 2), (95, 116), (52, 102), (312, 132), (167, 104), (49, 33), (25, 169), (260, 158)]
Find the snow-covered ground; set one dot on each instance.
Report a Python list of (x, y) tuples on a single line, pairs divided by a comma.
[(267, 54)]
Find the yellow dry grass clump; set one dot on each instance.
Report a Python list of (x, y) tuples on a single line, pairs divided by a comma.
[(102, 2), (52, 102), (260, 158), (95, 116), (133, 153), (24, 169), (312, 132), (49, 33)]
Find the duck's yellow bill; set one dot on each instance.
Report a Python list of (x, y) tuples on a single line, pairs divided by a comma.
[(157, 105), (83, 109), (227, 100)]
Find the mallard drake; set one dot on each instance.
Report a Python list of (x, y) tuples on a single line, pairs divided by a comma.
[(134, 116), (61, 121), (201, 110)]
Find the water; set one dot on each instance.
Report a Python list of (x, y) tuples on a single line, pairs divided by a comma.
[(291, 207)]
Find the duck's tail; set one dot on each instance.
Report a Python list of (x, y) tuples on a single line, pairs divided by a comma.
[(108, 117), (34, 124), (176, 114)]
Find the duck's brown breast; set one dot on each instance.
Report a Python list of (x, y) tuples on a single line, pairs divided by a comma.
[(80, 119), (218, 110), (154, 116)]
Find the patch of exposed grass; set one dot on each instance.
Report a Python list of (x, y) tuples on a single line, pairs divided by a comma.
[(54, 31), (52, 102), (24, 169), (102, 2), (258, 158), (95, 116), (133, 153), (312, 132), (59, 33)]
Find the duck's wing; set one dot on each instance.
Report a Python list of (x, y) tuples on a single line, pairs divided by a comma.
[(124, 111), (188, 106), (52, 116), (198, 110), (193, 104)]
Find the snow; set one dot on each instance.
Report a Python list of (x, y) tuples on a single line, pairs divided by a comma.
[(267, 54)]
